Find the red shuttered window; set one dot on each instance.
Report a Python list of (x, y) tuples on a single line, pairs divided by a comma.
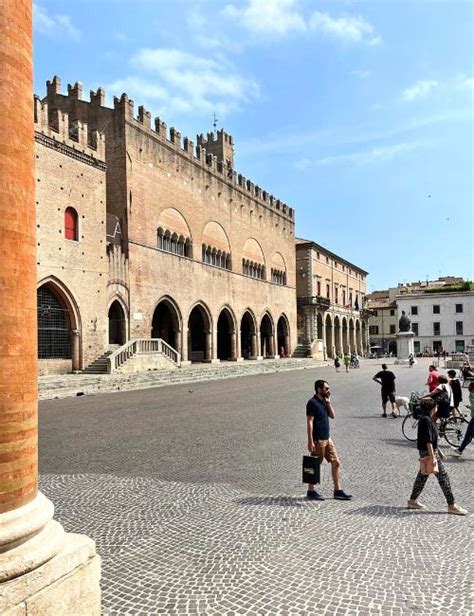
[(70, 224)]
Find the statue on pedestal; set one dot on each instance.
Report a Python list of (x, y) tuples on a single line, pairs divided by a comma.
[(404, 324)]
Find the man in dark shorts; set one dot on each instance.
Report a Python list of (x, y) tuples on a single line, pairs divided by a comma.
[(386, 379), (320, 445)]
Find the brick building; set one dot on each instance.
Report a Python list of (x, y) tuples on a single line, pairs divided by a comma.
[(142, 235), (331, 297)]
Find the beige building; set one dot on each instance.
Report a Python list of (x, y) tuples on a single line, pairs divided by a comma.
[(383, 321), (331, 303), (143, 236)]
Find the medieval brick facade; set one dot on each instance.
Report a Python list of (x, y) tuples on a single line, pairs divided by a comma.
[(172, 243)]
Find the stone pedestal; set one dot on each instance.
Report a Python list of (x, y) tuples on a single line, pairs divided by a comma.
[(66, 584), (405, 346)]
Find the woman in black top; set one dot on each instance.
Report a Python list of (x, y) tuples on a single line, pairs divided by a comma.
[(427, 444)]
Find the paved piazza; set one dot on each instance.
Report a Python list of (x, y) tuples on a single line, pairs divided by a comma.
[(193, 496)]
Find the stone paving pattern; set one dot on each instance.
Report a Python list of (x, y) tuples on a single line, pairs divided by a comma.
[(193, 496)]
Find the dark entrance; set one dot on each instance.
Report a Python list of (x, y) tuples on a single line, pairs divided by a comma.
[(282, 335), (116, 324), (198, 327), (165, 324), (247, 329), (224, 331), (392, 347), (54, 329), (266, 337)]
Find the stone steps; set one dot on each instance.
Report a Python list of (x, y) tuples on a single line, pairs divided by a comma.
[(63, 386)]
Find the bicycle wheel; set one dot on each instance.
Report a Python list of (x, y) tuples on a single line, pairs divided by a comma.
[(454, 430), (410, 428)]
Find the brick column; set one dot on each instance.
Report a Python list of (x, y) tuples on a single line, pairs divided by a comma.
[(29, 537), (76, 350), (233, 345), (254, 348)]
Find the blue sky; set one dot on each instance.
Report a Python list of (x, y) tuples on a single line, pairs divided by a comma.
[(357, 114)]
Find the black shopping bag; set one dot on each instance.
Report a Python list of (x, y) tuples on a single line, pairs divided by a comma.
[(311, 469)]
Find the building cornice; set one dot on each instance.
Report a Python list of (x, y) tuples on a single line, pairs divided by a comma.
[(62, 148), (319, 248)]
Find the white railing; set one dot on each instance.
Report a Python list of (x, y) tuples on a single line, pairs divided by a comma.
[(141, 345)]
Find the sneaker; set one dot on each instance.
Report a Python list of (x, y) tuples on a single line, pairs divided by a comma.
[(384, 414), (457, 510), (341, 495), (313, 495), (394, 415), (457, 451), (414, 504)]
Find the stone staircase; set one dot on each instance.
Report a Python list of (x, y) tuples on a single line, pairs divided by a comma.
[(66, 385), (300, 351), (99, 365)]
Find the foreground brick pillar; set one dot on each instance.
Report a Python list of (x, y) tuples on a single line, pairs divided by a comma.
[(42, 570), (18, 363)]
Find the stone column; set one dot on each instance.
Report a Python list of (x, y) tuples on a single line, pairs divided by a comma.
[(233, 345), (178, 343), (76, 350), (271, 345), (254, 346), (208, 355), (38, 562), (323, 335)]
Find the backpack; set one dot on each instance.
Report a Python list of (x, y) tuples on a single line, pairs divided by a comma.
[(444, 399)]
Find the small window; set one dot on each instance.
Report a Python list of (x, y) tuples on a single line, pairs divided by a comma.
[(376, 313), (327, 259), (318, 284), (436, 329), (414, 328), (70, 224), (392, 329), (414, 309), (436, 309), (459, 328), (328, 291), (459, 308), (336, 295), (437, 345), (460, 346), (374, 329), (416, 346), (392, 313)]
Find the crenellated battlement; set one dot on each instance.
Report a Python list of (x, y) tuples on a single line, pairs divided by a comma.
[(213, 151), (75, 134)]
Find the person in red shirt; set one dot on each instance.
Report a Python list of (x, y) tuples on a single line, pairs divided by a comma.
[(433, 378)]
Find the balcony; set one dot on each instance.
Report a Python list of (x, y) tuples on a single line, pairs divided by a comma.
[(322, 303)]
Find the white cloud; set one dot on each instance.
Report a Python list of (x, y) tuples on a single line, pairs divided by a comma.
[(267, 16), (421, 89), (374, 155), (186, 83), (465, 83), (53, 25), (353, 29)]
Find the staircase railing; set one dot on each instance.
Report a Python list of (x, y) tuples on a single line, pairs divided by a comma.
[(141, 345)]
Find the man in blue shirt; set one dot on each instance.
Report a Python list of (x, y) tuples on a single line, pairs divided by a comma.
[(318, 411)]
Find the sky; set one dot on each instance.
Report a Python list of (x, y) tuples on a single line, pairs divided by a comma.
[(359, 115)]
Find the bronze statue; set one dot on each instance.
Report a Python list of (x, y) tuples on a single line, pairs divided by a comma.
[(404, 324)]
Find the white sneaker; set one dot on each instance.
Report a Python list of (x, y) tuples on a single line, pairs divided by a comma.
[(456, 452), (414, 504), (457, 510)]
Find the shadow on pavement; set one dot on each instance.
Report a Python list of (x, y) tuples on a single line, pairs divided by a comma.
[(390, 510), (278, 501), (399, 442)]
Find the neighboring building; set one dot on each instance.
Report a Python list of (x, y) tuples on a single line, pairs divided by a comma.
[(440, 320), (331, 302), (142, 235), (383, 321), (441, 312)]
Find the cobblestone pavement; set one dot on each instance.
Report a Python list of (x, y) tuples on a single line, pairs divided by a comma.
[(193, 496)]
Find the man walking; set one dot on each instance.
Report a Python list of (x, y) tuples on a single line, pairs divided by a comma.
[(318, 411), (433, 378), (386, 379)]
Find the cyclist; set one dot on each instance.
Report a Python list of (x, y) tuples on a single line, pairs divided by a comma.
[(443, 396)]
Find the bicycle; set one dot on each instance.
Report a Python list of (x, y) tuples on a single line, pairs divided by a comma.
[(452, 428)]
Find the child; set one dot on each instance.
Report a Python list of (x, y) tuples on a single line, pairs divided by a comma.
[(455, 388)]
